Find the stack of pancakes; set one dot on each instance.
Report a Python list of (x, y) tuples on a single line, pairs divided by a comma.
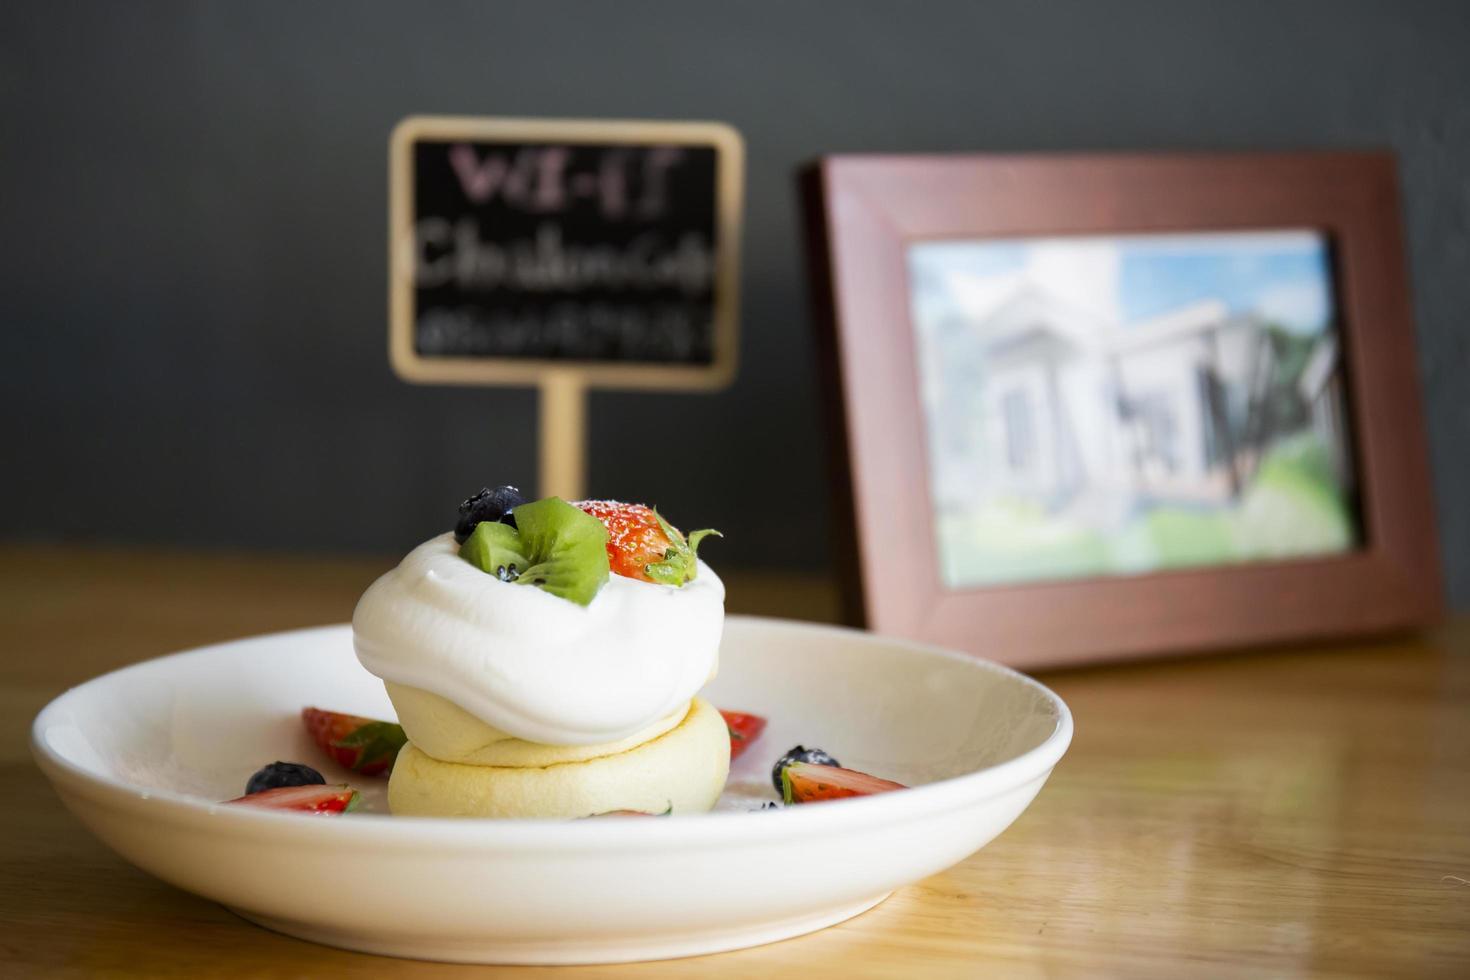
[(455, 765)]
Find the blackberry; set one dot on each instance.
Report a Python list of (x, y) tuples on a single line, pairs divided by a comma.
[(279, 774), (487, 505), (815, 757)]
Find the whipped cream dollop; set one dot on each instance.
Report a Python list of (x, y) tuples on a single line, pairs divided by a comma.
[(535, 665)]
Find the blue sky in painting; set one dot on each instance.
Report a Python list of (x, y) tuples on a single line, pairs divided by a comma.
[(1288, 285), (1283, 276)]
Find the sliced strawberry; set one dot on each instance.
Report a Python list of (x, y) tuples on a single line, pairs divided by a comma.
[(802, 782), (642, 545), (744, 729), (361, 744), (303, 799)]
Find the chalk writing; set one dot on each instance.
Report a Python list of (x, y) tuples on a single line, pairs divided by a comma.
[(577, 252)]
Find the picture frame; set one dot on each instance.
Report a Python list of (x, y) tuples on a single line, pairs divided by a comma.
[(864, 216)]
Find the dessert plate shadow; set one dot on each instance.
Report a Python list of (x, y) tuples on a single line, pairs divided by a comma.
[(141, 755)]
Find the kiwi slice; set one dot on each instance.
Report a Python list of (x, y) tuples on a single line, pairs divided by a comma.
[(495, 548), (567, 549), (554, 546)]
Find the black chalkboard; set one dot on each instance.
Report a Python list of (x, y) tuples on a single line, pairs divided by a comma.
[(564, 251)]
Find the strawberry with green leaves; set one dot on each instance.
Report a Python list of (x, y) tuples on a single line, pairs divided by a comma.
[(361, 744), (804, 782), (642, 545)]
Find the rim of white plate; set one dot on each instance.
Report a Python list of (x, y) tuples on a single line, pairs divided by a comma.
[(384, 830)]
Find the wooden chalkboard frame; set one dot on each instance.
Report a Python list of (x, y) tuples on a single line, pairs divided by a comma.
[(408, 364)]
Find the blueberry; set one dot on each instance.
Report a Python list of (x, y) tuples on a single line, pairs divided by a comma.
[(815, 757), (279, 774), (487, 505)]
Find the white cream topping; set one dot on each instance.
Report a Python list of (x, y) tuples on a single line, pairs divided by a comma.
[(531, 663)]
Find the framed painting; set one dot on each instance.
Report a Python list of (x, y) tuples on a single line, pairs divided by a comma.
[(1110, 406)]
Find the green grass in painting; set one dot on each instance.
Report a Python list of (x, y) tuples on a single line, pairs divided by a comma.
[(1293, 507)]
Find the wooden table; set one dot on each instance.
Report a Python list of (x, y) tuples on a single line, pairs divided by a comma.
[(1269, 814)]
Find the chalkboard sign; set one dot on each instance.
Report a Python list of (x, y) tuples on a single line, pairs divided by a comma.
[(607, 249)]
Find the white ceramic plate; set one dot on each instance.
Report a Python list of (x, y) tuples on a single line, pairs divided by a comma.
[(141, 754)]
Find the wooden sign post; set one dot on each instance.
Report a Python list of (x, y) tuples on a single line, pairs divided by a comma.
[(563, 435), (565, 254)]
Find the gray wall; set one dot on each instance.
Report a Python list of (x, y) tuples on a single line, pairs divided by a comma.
[(192, 204)]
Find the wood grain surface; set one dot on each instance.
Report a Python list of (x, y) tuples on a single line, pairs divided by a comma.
[(1293, 812)]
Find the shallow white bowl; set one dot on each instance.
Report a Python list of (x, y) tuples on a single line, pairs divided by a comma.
[(141, 754)]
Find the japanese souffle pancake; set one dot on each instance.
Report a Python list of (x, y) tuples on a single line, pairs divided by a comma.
[(545, 660)]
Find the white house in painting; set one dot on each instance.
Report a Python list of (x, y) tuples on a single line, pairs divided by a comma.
[(1085, 416)]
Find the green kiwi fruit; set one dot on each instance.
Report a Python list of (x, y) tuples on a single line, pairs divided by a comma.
[(554, 546), (496, 548)]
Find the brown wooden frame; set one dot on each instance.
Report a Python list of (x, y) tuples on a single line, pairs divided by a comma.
[(863, 212)]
